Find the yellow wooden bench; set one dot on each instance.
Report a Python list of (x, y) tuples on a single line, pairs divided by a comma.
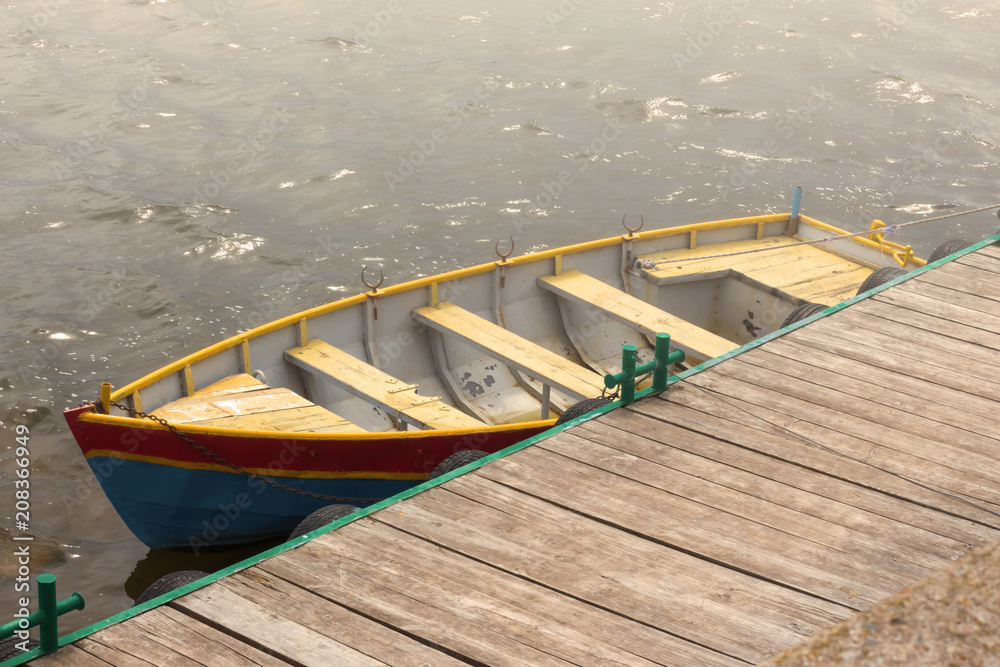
[(392, 395), (241, 401), (520, 353), (804, 271), (637, 314)]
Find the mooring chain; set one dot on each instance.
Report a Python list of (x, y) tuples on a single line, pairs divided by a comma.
[(233, 466)]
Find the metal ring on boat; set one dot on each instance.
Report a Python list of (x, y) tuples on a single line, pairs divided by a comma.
[(630, 230), (501, 255), (259, 375), (381, 279)]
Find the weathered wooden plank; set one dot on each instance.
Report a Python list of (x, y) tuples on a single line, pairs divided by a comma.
[(723, 609), (404, 564), (740, 422), (916, 347), (335, 621), (959, 403), (636, 313), (366, 580), (869, 352), (371, 384), (951, 296), (991, 251), (914, 457), (210, 406), (968, 279), (70, 656), (836, 288), (820, 518), (927, 407), (234, 384), (199, 642), (112, 654), (962, 448), (313, 418), (689, 521), (953, 311), (265, 629), (521, 353), (742, 447), (980, 261), (931, 334)]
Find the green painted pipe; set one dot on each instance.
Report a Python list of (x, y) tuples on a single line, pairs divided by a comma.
[(47, 616)]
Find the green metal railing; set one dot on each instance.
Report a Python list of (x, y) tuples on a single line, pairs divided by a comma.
[(47, 616), (660, 365)]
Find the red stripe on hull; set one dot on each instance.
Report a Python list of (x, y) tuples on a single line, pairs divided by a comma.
[(392, 454)]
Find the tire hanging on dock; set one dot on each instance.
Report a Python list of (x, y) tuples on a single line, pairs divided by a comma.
[(581, 408), (322, 517), (881, 277), (456, 461), (949, 247), (802, 312), (169, 582)]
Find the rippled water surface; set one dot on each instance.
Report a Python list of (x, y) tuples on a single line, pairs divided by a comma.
[(175, 171)]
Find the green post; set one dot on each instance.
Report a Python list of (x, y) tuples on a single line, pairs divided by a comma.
[(661, 354), (629, 353), (48, 626)]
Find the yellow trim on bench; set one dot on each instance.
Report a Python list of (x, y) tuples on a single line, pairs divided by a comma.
[(521, 353), (637, 314), (371, 384)]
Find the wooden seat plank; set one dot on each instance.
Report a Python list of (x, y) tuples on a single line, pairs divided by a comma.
[(234, 384), (197, 408), (636, 313), (371, 384), (310, 419), (829, 278), (241, 401), (522, 354)]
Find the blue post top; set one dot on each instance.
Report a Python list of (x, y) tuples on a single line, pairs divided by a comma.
[(796, 202)]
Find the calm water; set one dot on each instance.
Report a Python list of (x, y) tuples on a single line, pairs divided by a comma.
[(175, 171)]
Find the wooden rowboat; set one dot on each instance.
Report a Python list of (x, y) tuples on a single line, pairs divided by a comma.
[(362, 398)]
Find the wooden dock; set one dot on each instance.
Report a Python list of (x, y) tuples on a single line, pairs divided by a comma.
[(752, 505)]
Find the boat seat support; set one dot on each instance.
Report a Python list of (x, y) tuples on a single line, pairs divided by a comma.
[(397, 398), (517, 352)]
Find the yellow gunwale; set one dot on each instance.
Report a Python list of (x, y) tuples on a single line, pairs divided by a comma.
[(147, 425), (418, 283)]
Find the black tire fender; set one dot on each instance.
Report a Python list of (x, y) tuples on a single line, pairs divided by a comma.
[(881, 277), (949, 247), (802, 312), (456, 461), (169, 582), (322, 517), (581, 408)]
